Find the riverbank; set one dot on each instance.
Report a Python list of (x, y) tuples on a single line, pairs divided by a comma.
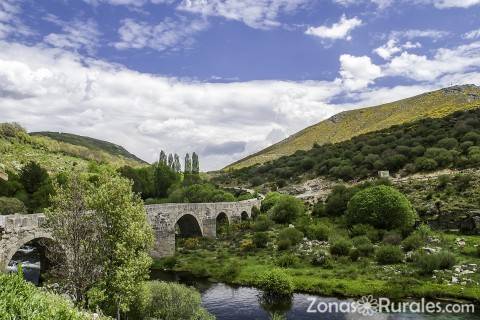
[(221, 262)]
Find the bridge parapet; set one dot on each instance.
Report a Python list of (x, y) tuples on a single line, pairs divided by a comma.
[(17, 222)]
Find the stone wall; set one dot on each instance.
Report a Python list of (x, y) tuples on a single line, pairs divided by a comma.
[(17, 230)]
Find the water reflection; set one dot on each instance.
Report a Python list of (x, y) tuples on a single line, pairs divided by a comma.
[(29, 258)]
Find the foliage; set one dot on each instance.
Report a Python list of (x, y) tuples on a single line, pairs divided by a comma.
[(168, 301), (413, 242), (363, 246), (23, 301), (287, 260), (231, 270), (286, 209), (269, 201), (11, 206), (341, 247), (319, 209), (263, 223), (382, 207), (284, 244), (318, 231), (191, 243), (260, 239), (392, 237), (321, 259), (389, 254), (293, 235), (337, 200), (427, 263), (364, 230), (247, 245), (276, 282)]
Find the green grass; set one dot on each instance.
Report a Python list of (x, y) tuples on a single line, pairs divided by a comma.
[(348, 124)]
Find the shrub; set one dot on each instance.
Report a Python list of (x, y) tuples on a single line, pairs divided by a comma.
[(191, 243), (284, 244), (318, 232), (365, 230), (287, 209), (319, 209), (269, 201), (167, 262), (231, 270), (291, 234), (382, 207), (287, 260), (247, 245), (169, 301), (364, 246), (260, 239), (413, 242), (427, 263), (425, 164), (22, 300), (337, 200), (341, 247), (392, 237), (389, 254), (263, 223), (276, 282), (478, 250), (255, 212), (354, 255), (11, 206), (321, 259)]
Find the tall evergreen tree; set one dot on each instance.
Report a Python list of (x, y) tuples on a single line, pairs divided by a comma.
[(163, 158), (177, 165), (188, 164), (170, 161), (195, 163)]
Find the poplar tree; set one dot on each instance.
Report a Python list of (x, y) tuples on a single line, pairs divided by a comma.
[(188, 164), (195, 163), (170, 161), (178, 166), (163, 158)]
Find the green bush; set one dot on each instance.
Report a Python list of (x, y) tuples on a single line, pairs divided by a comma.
[(318, 232), (389, 254), (478, 250), (337, 200), (364, 246), (287, 260), (413, 242), (284, 244), (392, 237), (319, 209), (231, 270), (427, 263), (263, 223), (247, 245), (382, 207), (255, 212), (341, 247), (354, 255), (168, 301), (321, 259), (269, 201), (425, 164), (260, 239), (22, 300), (365, 230), (276, 282), (11, 206), (287, 209), (291, 234)]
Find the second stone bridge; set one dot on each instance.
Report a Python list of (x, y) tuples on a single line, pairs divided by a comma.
[(167, 221)]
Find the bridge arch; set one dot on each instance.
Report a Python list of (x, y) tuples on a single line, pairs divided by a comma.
[(188, 225), (222, 222), (244, 216)]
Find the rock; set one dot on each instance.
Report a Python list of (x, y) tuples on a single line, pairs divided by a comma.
[(454, 280)]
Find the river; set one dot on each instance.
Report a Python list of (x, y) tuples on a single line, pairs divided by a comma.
[(244, 303)]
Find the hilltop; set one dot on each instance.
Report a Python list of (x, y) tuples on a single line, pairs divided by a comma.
[(348, 124), (58, 152)]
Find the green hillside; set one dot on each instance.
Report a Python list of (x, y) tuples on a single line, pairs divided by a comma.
[(348, 124), (61, 153)]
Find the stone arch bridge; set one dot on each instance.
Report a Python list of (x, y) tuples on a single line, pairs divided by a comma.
[(167, 220)]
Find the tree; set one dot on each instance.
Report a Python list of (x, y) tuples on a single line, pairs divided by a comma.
[(105, 238), (11, 206), (382, 207), (126, 241), (170, 161), (195, 164), (163, 158), (164, 178), (32, 176), (188, 164), (176, 163), (78, 248), (287, 209)]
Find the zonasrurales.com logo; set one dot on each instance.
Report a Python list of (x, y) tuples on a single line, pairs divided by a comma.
[(367, 305)]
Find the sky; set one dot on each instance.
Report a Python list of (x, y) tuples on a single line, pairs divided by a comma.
[(223, 78)]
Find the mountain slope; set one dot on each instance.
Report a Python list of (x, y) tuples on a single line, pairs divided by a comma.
[(61, 153), (90, 143), (348, 124)]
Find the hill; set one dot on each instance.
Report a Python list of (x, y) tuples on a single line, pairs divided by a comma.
[(348, 124), (451, 142), (58, 152), (90, 143)]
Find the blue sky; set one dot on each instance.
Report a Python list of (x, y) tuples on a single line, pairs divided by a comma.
[(224, 78)]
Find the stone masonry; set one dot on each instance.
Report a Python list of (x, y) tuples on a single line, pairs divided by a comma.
[(17, 230)]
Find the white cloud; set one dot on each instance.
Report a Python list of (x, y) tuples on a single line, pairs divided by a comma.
[(474, 34), (338, 30), (358, 72), (260, 14), (381, 4), (445, 4), (75, 35), (445, 61), (167, 35), (416, 33), (392, 47), (10, 24), (133, 3)]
